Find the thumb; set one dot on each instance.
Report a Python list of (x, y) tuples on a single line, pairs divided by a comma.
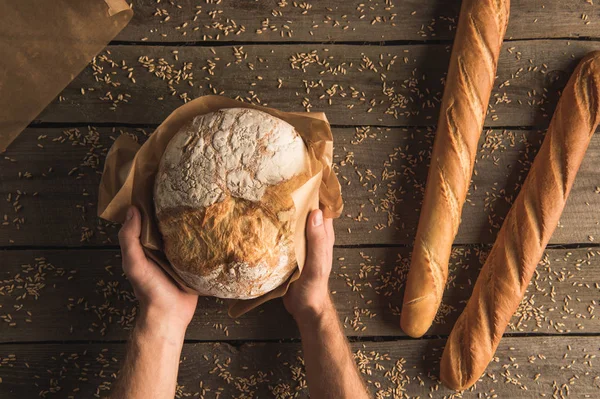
[(315, 229), (317, 244), (129, 238)]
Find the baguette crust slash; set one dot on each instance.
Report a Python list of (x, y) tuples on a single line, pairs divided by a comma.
[(526, 230), (472, 70)]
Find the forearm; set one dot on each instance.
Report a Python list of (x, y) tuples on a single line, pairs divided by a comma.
[(151, 363), (330, 368)]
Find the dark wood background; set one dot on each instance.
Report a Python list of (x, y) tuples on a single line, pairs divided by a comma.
[(377, 69)]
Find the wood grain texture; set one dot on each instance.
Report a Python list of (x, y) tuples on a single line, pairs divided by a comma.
[(343, 21), (382, 171), (524, 368), (82, 295), (355, 79)]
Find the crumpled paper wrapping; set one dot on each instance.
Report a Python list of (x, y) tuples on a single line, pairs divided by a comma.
[(44, 46), (130, 170)]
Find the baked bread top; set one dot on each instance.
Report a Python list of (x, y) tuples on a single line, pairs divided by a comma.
[(223, 201)]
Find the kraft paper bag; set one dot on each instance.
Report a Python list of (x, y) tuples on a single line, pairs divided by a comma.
[(130, 170), (44, 46)]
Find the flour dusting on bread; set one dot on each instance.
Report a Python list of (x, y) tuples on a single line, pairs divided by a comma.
[(236, 151), (223, 201)]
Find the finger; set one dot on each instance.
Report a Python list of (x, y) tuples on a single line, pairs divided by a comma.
[(317, 243), (129, 238), (329, 230), (315, 228)]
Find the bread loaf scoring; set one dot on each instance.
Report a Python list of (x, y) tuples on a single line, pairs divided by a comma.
[(223, 201)]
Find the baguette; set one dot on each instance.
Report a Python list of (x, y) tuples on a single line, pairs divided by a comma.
[(471, 74), (526, 230)]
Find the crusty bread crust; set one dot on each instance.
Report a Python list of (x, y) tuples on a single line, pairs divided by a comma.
[(223, 202), (526, 230), (471, 74)]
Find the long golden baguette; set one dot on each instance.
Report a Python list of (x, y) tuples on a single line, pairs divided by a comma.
[(481, 28), (526, 230)]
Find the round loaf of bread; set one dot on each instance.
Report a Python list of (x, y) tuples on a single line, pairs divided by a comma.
[(223, 202)]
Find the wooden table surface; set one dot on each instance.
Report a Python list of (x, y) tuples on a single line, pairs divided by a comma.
[(377, 69)]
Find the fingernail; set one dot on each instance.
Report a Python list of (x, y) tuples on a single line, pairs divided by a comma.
[(318, 219), (129, 214)]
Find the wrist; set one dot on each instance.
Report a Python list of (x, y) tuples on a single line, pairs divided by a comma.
[(155, 326), (315, 314)]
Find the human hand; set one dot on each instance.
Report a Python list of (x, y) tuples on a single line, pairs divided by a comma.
[(309, 295), (163, 305)]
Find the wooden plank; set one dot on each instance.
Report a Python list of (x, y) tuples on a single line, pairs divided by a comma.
[(355, 79), (524, 368), (80, 295), (383, 208), (343, 21)]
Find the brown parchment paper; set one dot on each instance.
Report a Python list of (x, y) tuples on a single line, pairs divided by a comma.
[(44, 45), (130, 169)]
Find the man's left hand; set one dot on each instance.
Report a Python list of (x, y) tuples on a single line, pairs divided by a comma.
[(162, 302)]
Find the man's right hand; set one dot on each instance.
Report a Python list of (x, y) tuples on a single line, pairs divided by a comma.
[(330, 368), (309, 295)]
